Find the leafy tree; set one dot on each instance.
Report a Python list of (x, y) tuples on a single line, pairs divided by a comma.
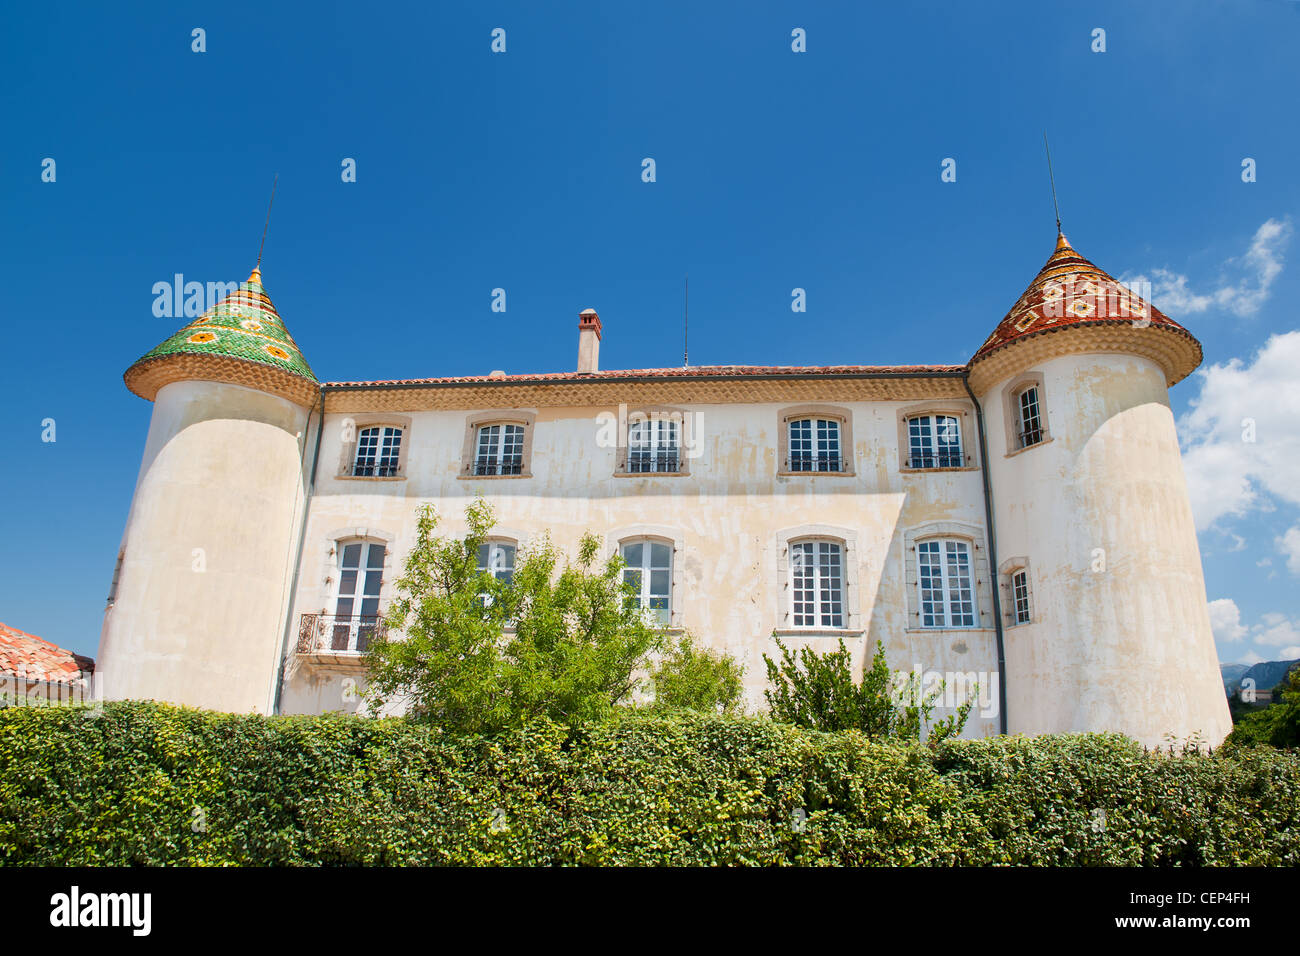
[(695, 678), (578, 648), (1278, 724), (818, 691)]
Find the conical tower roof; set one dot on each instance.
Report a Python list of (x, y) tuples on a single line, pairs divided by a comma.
[(241, 340), (1070, 293)]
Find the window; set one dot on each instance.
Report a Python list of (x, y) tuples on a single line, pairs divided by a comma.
[(947, 595), (815, 445), (1030, 422), (653, 445), (497, 558), (1020, 597), (817, 583), (356, 603), (934, 441), (379, 452), (1026, 412), (499, 450), (648, 573)]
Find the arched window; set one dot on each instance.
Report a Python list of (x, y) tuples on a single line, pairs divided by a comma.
[(360, 573), (648, 574), (499, 449), (497, 558), (947, 590), (653, 445), (817, 583), (1020, 596), (1017, 591), (934, 441), (815, 445), (379, 451), (1029, 418)]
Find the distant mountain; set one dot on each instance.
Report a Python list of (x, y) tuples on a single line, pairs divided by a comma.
[(1265, 674), (1232, 674)]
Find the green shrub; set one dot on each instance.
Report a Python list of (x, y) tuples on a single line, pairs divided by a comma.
[(691, 677), (818, 691), (153, 784)]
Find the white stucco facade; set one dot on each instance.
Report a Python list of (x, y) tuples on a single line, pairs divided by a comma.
[(1080, 607)]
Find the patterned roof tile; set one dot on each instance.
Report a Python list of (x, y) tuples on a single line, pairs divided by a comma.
[(245, 326), (1070, 291)]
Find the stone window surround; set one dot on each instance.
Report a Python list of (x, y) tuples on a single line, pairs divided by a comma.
[(979, 569), (1011, 411), (348, 453), (844, 416), (329, 561), (969, 439), (783, 613), (514, 416), (615, 539), (1005, 571), (685, 437)]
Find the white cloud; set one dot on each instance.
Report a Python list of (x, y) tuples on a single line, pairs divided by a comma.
[(1228, 475), (1276, 630), (1289, 653), (1289, 545), (1225, 620), (1250, 657), (1244, 284)]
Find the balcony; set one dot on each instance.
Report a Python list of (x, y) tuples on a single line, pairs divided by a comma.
[(817, 464), (373, 469), (646, 463), (944, 459), (505, 466), (338, 639)]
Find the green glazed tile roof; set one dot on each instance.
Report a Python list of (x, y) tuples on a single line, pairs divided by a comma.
[(244, 325)]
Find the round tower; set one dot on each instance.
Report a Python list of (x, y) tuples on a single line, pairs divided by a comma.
[(198, 607), (1099, 571)]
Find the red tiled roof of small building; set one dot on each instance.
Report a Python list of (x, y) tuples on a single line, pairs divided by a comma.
[(35, 659), (1070, 291), (690, 371)]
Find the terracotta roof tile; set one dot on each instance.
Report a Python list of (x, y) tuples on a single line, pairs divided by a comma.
[(26, 655), (689, 372)]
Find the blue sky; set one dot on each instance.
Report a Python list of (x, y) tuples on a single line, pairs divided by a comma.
[(522, 170)]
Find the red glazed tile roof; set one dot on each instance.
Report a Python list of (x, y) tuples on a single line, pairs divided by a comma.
[(689, 372), (26, 655), (1071, 291)]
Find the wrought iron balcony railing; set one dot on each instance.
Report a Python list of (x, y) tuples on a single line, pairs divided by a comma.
[(638, 463), (374, 469), (508, 465), (952, 459), (338, 633), (817, 463)]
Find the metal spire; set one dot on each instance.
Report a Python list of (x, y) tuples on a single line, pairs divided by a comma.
[(1052, 179), (258, 268)]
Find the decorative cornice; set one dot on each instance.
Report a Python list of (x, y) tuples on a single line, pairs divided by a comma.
[(610, 392), (1171, 347), (147, 376)]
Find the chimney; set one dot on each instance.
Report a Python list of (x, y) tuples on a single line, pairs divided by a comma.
[(588, 341)]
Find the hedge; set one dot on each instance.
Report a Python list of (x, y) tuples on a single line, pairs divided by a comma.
[(152, 784)]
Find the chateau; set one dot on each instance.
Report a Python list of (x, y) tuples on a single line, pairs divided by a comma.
[(1021, 520)]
